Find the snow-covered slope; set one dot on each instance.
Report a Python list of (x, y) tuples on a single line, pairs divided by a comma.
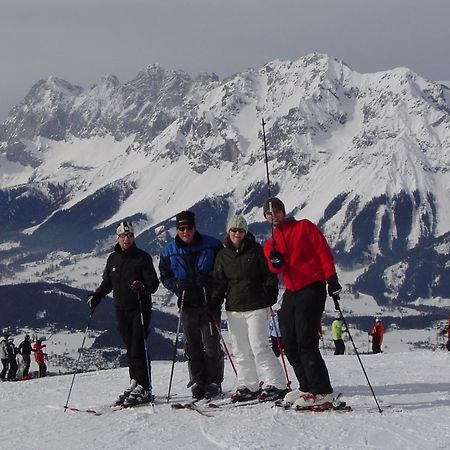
[(412, 389), (366, 156)]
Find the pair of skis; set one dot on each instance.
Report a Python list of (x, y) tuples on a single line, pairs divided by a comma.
[(111, 408)]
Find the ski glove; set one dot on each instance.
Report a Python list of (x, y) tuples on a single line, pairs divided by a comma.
[(137, 287), (272, 294), (334, 288), (276, 259), (93, 301)]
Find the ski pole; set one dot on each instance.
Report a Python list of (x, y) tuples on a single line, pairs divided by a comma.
[(78, 360), (338, 308), (223, 343), (265, 157), (269, 191), (147, 357), (280, 348), (175, 346)]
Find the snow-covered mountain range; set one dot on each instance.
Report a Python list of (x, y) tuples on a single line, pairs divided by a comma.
[(366, 156)]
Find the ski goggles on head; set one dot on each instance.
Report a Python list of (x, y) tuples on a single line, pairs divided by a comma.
[(237, 230)]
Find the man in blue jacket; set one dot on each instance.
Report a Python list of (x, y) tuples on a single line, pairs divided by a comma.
[(186, 265)]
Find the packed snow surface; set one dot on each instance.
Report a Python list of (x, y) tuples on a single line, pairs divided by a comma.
[(413, 389)]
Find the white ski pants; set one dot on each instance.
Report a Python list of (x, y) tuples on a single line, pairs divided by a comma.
[(249, 333)]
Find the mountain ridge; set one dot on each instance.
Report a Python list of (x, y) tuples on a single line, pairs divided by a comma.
[(366, 156)]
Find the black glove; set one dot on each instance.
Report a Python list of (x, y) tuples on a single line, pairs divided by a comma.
[(137, 287), (276, 259), (203, 279), (272, 294), (334, 288), (93, 301), (213, 311)]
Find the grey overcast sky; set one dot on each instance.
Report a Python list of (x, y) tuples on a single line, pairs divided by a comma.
[(82, 40)]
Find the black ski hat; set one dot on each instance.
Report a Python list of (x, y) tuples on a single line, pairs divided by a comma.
[(275, 202), (185, 218)]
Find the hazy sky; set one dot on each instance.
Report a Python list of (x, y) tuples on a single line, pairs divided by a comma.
[(82, 40)]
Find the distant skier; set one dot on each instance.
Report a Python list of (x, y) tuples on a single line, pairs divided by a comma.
[(4, 357), (448, 333), (39, 357), (11, 349), (130, 275), (299, 252), (186, 265), (25, 350), (336, 335), (377, 334)]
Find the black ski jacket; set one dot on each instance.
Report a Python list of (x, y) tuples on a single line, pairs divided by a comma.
[(242, 277), (124, 267), (25, 348)]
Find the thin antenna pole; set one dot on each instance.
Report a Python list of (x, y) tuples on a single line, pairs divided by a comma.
[(269, 192), (266, 160)]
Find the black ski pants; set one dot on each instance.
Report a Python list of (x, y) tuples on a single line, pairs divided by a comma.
[(203, 345), (133, 334), (42, 369), (300, 316), (26, 365), (339, 347), (12, 372), (376, 347), (5, 364)]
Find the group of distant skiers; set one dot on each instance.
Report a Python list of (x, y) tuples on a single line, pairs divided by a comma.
[(9, 353)]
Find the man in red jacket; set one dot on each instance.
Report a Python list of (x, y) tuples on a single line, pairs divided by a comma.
[(299, 252)]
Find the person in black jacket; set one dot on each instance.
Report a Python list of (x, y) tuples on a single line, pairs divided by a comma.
[(11, 350), (4, 357), (130, 275), (186, 265), (25, 351), (242, 277)]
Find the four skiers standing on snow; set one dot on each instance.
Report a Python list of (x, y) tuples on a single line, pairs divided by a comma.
[(202, 273), (242, 278)]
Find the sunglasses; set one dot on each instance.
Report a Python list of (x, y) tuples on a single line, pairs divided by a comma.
[(274, 211), (124, 235), (185, 228), (237, 230)]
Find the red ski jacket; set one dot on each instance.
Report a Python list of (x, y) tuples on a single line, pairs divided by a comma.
[(39, 355), (307, 255), (378, 332)]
